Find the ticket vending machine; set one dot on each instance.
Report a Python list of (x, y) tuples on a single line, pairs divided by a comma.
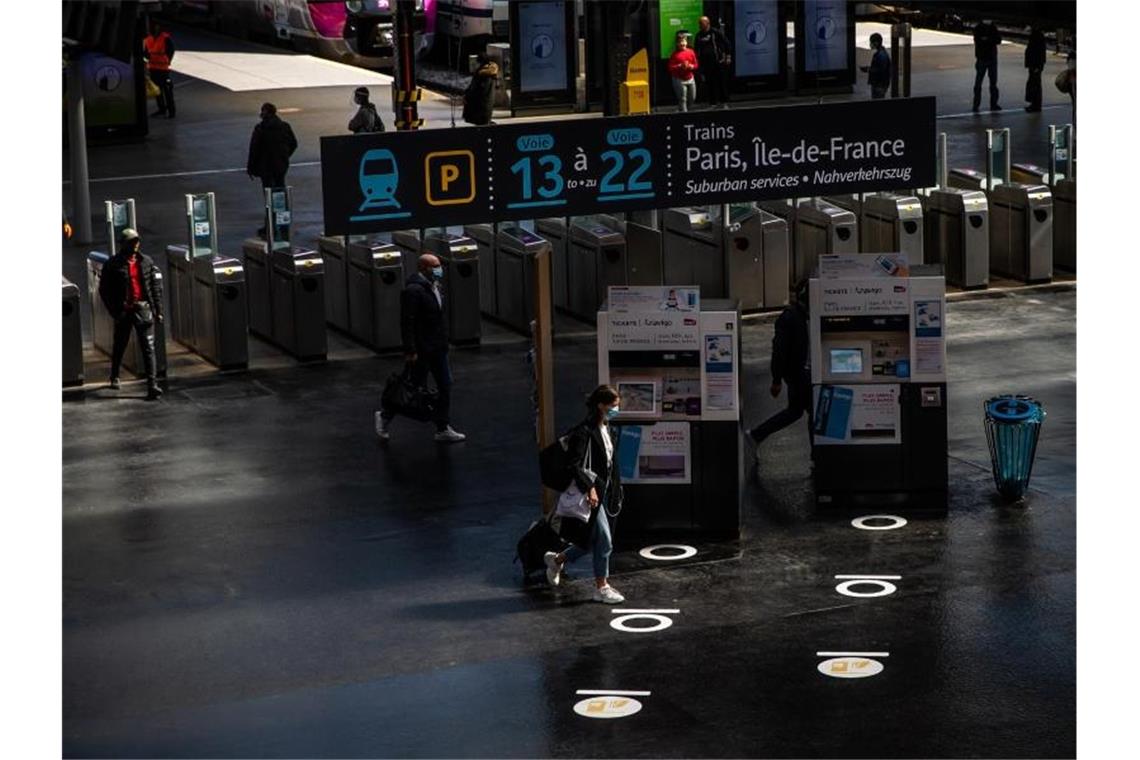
[(286, 284), (120, 215), (208, 310), (675, 359), (694, 248), (878, 362)]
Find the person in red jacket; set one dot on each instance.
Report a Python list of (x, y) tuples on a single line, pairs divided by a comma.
[(682, 64)]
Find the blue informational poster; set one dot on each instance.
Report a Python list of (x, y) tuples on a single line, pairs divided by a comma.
[(757, 41), (825, 35), (542, 40)]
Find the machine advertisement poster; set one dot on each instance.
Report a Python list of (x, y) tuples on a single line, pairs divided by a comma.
[(857, 414), (845, 266), (865, 297), (658, 453), (653, 319), (719, 361), (928, 342), (439, 177), (628, 298)]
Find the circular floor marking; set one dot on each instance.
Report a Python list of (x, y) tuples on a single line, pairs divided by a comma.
[(652, 552), (895, 522), (850, 667), (607, 707), (660, 622)]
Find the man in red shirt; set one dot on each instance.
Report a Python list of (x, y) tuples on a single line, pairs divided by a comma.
[(682, 64), (132, 293)]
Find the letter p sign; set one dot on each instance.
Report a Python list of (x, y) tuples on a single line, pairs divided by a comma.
[(449, 177)]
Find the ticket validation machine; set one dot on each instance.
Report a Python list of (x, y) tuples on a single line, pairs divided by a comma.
[(485, 236), (515, 250), (891, 222), (756, 258), (878, 362), (556, 231), (334, 252), (120, 215), (957, 229), (1021, 232), (822, 228), (208, 295), (596, 260), (459, 257), (286, 284), (675, 359), (643, 245), (693, 248), (375, 282), (410, 243)]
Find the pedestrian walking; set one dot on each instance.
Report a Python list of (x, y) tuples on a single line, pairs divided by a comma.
[(366, 119), (270, 147), (714, 57), (158, 49), (1035, 64), (479, 97), (423, 326), (986, 41), (132, 293), (790, 364), (682, 64), (879, 72), (595, 477)]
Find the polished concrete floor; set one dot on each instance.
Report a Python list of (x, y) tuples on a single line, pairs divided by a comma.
[(248, 573)]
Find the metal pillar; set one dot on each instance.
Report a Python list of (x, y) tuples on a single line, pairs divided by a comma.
[(544, 359), (405, 93), (77, 148), (900, 59)]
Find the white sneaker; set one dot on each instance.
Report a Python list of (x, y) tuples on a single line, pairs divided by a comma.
[(553, 569), (449, 435), (608, 595), (381, 427)]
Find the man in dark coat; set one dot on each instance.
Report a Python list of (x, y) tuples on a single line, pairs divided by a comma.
[(1035, 63), (270, 147), (423, 327), (714, 56), (132, 293), (986, 41), (366, 118), (790, 364), (479, 98), (879, 72)]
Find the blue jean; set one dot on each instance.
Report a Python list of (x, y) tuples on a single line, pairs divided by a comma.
[(982, 68), (686, 92), (601, 544)]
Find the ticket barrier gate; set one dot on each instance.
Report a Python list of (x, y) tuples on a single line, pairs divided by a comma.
[(72, 335), (286, 286), (515, 249), (208, 309), (103, 327), (375, 282), (459, 257), (822, 228), (644, 245), (334, 252), (756, 256), (410, 243), (556, 232), (957, 229), (1065, 224), (892, 223), (693, 248), (484, 236), (596, 260), (1021, 232)]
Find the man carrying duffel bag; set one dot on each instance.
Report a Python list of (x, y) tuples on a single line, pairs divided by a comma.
[(423, 325)]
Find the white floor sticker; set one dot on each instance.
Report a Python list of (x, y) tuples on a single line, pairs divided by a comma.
[(655, 552), (863, 523), (607, 706)]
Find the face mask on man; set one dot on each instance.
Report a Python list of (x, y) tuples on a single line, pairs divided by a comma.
[(437, 273)]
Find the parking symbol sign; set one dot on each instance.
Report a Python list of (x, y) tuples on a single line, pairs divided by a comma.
[(449, 177)]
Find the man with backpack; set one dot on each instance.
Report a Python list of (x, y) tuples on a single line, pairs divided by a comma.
[(366, 118)]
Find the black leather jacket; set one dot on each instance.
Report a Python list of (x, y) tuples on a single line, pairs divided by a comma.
[(115, 283), (607, 478)]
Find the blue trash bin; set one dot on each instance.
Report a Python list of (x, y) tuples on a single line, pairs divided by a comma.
[(1013, 424)]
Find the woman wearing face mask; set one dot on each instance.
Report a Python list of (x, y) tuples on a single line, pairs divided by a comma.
[(601, 482)]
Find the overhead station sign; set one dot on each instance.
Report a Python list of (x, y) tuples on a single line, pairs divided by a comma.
[(436, 177)]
